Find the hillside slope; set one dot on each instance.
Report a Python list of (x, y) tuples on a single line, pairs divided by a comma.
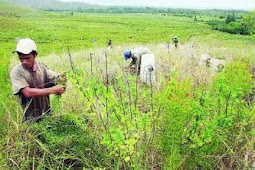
[(10, 10), (54, 4)]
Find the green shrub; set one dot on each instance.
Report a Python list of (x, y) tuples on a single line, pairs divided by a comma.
[(198, 125)]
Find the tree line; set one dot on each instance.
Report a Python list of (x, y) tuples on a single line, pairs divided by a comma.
[(243, 23)]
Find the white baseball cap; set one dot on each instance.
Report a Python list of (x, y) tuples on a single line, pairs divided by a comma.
[(26, 46)]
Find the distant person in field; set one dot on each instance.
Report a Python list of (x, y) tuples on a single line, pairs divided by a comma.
[(175, 41), (110, 43), (136, 56), (33, 82)]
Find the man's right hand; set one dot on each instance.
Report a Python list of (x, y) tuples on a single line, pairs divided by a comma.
[(58, 89)]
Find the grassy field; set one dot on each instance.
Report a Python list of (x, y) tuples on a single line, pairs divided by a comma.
[(192, 117)]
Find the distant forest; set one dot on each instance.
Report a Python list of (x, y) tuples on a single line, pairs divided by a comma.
[(173, 11)]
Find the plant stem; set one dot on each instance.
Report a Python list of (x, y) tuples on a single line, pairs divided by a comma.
[(107, 85), (227, 102), (71, 62), (91, 64)]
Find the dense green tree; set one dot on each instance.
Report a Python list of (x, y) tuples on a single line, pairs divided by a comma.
[(195, 19), (230, 18), (248, 21)]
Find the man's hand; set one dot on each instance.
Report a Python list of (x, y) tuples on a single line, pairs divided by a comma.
[(37, 92), (59, 89), (61, 80)]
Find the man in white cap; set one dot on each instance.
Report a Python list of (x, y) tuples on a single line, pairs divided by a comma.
[(33, 82)]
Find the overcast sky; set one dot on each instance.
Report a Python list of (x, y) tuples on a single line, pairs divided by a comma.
[(219, 4)]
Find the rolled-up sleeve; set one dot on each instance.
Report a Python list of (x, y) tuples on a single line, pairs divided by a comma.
[(18, 81), (51, 74)]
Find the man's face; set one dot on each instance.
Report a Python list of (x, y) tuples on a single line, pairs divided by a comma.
[(27, 60)]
